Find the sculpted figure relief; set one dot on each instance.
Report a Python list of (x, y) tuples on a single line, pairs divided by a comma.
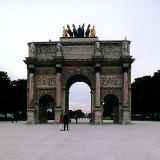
[(80, 32), (32, 49), (59, 47)]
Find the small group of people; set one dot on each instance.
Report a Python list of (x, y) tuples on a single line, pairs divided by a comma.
[(14, 117), (65, 120), (80, 32)]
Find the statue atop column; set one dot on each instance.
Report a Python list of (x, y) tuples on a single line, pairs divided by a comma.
[(80, 32), (32, 50)]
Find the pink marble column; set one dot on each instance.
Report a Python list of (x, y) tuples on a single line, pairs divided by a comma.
[(97, 110), (125, 89), (125, 108), (58, 108), (30, 109), (58, 89), (31, 89), (97, 89)]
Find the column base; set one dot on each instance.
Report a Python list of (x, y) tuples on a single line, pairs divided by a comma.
[(58, 112), (125, 116), (36, 114), (30, 117), (97, 119)]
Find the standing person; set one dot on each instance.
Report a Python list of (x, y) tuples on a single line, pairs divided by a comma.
[(76, 118), (66, 121), (15, 117), (61, 118), (61, 121), (12, 118)]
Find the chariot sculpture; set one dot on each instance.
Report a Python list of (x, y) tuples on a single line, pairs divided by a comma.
[(80, 32)]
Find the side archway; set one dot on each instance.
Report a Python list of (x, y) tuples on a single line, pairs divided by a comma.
[(46, 108), (111, 108)]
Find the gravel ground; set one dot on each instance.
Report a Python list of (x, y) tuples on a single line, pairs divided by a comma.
[(137, 141)]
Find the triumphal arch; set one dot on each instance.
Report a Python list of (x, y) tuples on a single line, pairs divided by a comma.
[(53, 66)]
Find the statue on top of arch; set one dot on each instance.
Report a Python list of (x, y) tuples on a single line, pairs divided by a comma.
[(80, 32)]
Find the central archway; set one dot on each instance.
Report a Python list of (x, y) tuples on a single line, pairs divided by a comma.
[(80, 80)]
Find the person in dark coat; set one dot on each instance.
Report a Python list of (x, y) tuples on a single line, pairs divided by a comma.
[(66, 121), (76, 118)]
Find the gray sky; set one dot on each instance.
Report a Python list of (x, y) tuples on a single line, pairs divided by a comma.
[(80, 97), (23, 21)]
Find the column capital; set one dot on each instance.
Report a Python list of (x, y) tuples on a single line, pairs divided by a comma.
[(31, 68), (58, 68), (125, 67), (97, 67)]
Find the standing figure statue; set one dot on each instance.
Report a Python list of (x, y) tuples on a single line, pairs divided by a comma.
[(82, 31), (65, 34), (69, 31), (79, 31), (75, 34), (93, 32), (32, 49), (87, 31), (59, 47)]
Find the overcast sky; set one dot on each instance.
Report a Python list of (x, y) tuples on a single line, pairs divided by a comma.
[(22, 21)]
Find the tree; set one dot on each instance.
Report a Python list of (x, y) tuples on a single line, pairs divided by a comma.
[(146, 97), (13, 96), (79, 113), (5, 85), (19, 97)]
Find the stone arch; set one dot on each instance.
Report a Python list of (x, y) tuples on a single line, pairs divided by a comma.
[(73, 79), (46, 108), (77, 78), (81, 73), (111, 107)]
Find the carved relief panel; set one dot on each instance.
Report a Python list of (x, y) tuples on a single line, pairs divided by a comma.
[(114, 81), (45, 81)]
